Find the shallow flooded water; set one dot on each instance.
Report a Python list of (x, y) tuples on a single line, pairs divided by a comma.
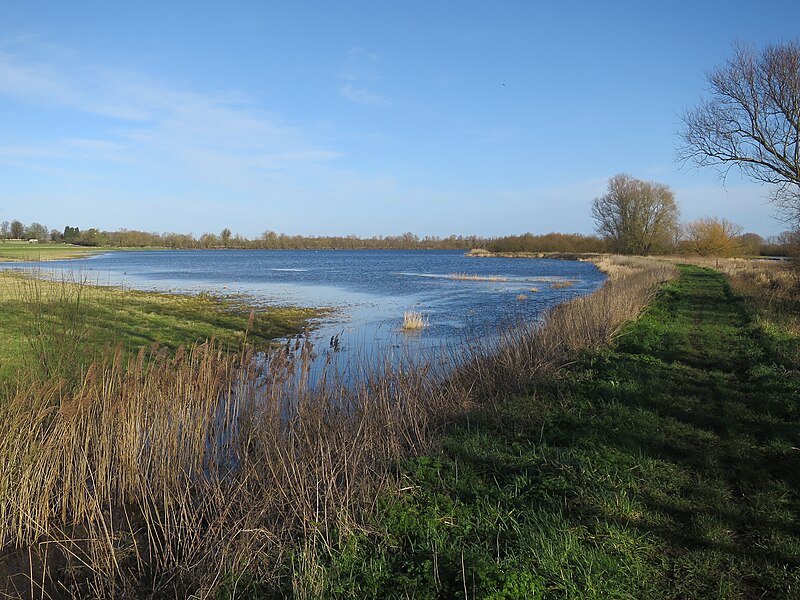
[(463, 299)]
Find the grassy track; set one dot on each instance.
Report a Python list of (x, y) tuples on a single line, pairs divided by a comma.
[(665, 467)]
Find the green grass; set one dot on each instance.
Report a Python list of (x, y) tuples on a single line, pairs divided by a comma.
[(70, 323), (664, 467), (24, 251)]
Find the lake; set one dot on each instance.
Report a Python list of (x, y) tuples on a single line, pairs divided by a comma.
[(368, 290)]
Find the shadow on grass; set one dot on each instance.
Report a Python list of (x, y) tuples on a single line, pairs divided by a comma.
[(665, 467)]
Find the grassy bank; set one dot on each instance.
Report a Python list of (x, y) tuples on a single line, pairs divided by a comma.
[(665, 466), (27, 252), (56, 328)]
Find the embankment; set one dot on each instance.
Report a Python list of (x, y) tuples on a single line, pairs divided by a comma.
[(663, 466)]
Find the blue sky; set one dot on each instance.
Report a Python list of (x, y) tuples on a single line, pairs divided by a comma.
[(369, 118)]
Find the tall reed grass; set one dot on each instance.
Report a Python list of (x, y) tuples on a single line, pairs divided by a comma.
[(178, 475)]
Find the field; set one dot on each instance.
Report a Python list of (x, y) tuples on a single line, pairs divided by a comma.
[(26, 252)]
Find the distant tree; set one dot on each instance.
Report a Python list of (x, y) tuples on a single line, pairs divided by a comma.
[(225, 236), (92, 237), (71, 234), (751, 243), (17, 229), (208, 240), (5, 230), (752, 121), (56, 236), (779, 245), (36, 231), (408, 240), (269, 239), (713, 237), (636, 217)]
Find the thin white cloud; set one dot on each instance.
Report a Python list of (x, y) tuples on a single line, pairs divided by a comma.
[(94, 145), (21, 152), (218, 136), (487, 135), (358, 75), (47, 85), (362, 95)]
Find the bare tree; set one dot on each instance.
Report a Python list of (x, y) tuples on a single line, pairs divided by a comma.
[(713, 237), (17, 229), (752, 121), (635, 216)]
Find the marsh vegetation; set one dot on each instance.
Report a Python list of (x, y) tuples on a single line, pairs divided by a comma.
[(199, 470)]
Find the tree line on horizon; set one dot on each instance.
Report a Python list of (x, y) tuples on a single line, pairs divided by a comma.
[(705, 237)]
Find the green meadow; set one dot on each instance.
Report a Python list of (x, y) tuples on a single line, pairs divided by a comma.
[(59, 327), (34, 252)]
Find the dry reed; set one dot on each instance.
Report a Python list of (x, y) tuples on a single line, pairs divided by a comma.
[(468, 277), (414, 321), (560, 285)]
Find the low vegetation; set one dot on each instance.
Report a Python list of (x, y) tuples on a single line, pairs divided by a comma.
[(545, 464), (664, 466), (54, 329), (27, 252), (560, 285), (208, 472), (769, 288), (414, 321), (468, 277)]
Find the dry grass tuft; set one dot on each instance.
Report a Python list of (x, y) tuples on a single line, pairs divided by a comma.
[(559, 285), (617, 266), (479, 252), (414, 321)]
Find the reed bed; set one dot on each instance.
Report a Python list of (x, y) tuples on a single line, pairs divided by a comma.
[(468, 277), (183, 474), (525, 353), (560, 285)]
